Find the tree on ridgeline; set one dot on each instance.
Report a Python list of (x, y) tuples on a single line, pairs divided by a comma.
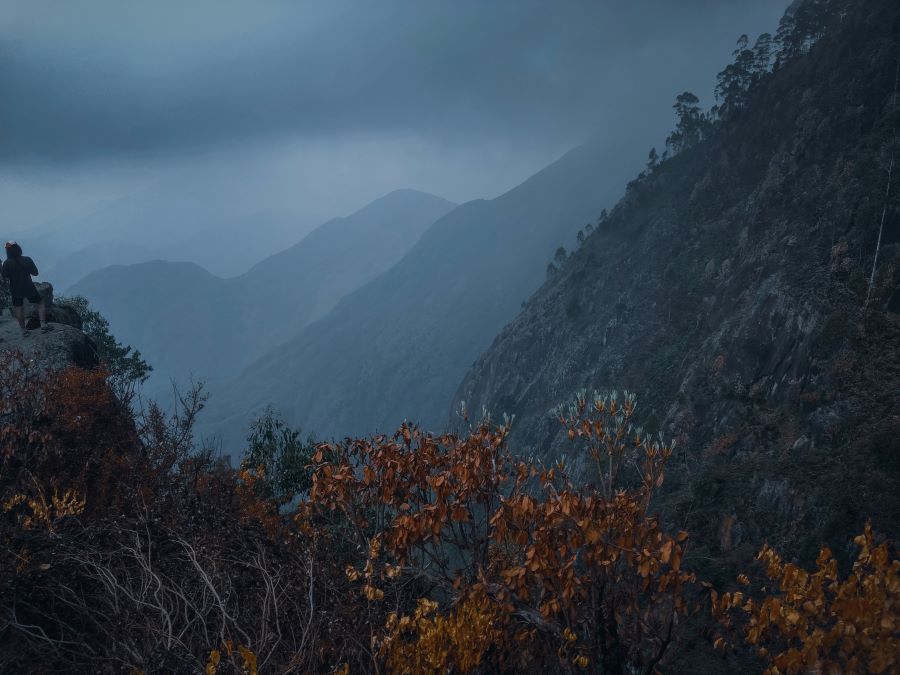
[(560, 256), (127, 367), (762, 55), (690, 123)]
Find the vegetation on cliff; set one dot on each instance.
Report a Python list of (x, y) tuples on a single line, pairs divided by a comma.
[(126, 548)]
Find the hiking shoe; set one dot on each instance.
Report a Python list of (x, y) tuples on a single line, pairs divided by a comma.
[(46, 328)]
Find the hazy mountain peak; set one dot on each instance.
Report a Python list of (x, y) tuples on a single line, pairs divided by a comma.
[(236, 319)]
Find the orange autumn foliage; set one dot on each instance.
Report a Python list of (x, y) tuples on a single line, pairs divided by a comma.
[(463, 515), (63, 433), (430, 642), (410, 553), (817, 621)]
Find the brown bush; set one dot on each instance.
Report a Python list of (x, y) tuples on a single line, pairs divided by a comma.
[(574, 577), (801, 622), (125, 548)]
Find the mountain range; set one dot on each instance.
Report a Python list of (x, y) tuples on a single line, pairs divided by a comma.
[(215, 221), (189, 322), (398, 347)]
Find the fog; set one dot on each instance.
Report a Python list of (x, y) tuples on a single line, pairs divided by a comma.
[(312, 109)]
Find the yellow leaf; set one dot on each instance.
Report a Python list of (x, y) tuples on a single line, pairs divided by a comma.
[(666, 551)]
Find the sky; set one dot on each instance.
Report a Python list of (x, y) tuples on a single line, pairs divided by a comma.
[(316, 107)]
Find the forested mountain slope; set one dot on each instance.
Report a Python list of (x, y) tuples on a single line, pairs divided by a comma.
[(398, 347), (189, 321), (729, 289)]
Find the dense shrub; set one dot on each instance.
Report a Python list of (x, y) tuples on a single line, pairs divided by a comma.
[(816, 621), (126, 548)]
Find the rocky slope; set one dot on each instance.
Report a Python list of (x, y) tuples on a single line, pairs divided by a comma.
[(64, 345), (728, 290), (398, 347), (188, 321)]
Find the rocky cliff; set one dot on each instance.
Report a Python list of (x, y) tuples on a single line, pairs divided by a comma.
[(64, 345), (729, 291)]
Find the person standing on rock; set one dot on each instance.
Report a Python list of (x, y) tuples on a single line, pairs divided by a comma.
[(18, 270)]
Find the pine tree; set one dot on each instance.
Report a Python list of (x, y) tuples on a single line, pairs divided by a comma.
[(786, 37), (604, 216), (560, 256), (734, 82), (689, 128), (762, 55)]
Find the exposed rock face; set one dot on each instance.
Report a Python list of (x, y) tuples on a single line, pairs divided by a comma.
[(55, 313), (727, 290), (64, 345)]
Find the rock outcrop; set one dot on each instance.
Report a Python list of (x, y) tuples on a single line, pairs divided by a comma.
[(63, 345), (55, 313)]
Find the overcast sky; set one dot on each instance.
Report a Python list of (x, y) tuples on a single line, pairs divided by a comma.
[(321, 106)]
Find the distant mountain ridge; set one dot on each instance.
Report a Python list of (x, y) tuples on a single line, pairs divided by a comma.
[(188, 321), (172, 219), (398, 347)]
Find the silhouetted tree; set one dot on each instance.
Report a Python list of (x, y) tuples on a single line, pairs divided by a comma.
[(560, 256), (734, 82), (786, 37), (689, 128), (652, 159), (604, 216), (804, 25), (762, 55), (742, 43)]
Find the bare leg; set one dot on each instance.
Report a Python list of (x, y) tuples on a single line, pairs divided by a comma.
[(19, 313), (42, 312)]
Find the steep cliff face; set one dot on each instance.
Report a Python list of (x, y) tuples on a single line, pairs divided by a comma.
[(728, 290)]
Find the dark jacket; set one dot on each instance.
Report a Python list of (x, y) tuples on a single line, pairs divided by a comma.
[(19, 272)]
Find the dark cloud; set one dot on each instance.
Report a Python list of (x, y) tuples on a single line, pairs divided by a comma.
[(91, 80)]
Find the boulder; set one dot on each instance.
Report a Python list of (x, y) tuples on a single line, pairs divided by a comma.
[(55, 313), (64, 345), (58, 348)]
